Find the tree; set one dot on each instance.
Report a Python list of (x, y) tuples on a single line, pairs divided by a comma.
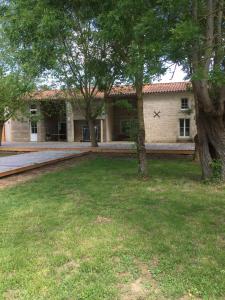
[(197, 42), (64, 37), (13, 89), (14, 86), (135, 30)]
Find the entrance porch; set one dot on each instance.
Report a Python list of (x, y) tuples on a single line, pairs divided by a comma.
[(60, 121), (54, 120), (121, 120)]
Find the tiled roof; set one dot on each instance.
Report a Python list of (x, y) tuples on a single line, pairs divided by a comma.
[(152, 88), (49, 94), (155, 88)]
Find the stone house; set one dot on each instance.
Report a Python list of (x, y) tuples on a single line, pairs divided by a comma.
[(168, 113)]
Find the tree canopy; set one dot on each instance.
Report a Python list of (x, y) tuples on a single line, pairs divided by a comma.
[(14, 85), (65, 39), (136, 31)]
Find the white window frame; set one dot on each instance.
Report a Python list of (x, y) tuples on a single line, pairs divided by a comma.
[(33, 110), (185, 126), (33, 123), (181, 104), (33, 127)]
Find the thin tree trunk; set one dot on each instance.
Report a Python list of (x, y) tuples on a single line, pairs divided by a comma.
[(93, 137), (196, 157), (141, 151), (1, 131)]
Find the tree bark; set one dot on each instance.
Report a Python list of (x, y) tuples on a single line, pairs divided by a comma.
[(203, 148), (207, 57), (141, 150), (210, 124), (211, 138), (196, 152), (93, 137), (1, 131), (215, 133)]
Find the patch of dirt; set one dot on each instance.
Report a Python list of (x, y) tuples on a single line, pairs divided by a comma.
[(11, 295), (134, 291), (156, 189), (102, 220), (147, 276), (189, 297), (145, 287), (68, 267), (35, 173), (154, 262)]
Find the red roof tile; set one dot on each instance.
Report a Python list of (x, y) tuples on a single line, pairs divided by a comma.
[(49, 94), (152, 88), (155, 88)]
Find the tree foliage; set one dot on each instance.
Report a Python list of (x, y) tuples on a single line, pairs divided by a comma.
[(135, 30), (197, 43), (64, 38), (14, 85)]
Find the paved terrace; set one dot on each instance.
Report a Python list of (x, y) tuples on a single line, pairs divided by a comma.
[(22, 162), (182, 148)]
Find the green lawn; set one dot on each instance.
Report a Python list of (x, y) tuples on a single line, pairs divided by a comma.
[(94, 231), (7, 154)]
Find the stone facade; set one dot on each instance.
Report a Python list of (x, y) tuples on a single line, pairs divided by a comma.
[(163, 116), (20, 130), (162, 113)]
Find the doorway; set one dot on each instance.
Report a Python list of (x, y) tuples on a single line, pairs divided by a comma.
[(86, 133), (33, 123)]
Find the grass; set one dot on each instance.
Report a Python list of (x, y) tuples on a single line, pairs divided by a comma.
[(95, 231), (7, 154)]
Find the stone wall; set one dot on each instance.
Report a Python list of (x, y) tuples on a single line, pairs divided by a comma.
[(20, 130), (165, 127), (162, 112)]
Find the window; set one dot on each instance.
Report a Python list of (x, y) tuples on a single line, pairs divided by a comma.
[(33, 109), (33, 126), (86, 133), (184, 104), (33, 121), (184, 127)]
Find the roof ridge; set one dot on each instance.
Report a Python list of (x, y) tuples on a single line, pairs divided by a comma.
[(150, 88), (121, 85), (162, 83)]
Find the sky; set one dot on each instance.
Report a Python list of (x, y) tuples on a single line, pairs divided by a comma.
[(178, 76), (170, 77)]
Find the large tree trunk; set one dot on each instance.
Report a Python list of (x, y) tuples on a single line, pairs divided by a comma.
[(203, 147), (141, 151), (1, 131), (93, 137), (211, 138), (207, 64), (214, 148)]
